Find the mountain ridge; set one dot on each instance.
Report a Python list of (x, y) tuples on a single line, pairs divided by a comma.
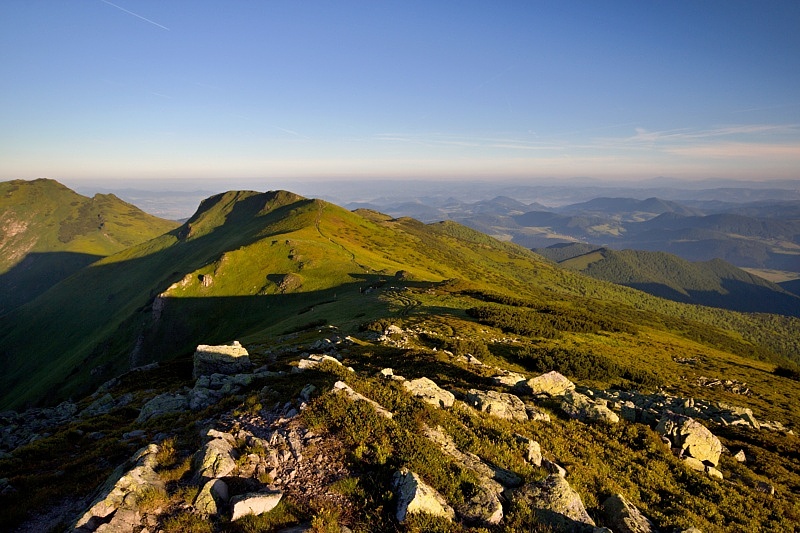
[(243, 255), (48, 232)]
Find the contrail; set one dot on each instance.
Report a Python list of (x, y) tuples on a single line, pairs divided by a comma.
[(135, 15)]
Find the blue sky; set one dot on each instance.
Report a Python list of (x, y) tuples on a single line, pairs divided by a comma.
[(378, 89)]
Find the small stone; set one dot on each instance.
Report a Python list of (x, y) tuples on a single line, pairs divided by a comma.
[(713, 473), (740, 456), (765, 488)]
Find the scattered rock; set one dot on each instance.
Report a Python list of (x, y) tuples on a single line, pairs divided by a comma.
[(255, 503), (499, 404), (536, 414), (501, 477), (690, 437), (216, 458), (483, 506), (313, 361), (766, 488), (508, 379), (116, 506), (388, 373), (624, 517), (223, 359), (533, 451), (551, 384), (105, 404), (713, 473), (354, 396), (554, 468), (585, 409), (740, 456), (163, 404), (6, 488), (430, 392), (415, 496), (554, 502)]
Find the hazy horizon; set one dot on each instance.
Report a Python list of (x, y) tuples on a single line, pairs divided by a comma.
[(471, 91)]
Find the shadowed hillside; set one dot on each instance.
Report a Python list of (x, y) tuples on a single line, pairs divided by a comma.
[(48, 232), (714, 283)]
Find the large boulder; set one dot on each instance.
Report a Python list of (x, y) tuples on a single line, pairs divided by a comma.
[(430, 392), (226, 359), (211, 497), (551, 384), (624, 517), (690, 437), (116, 506), (217, 458), (498, 404), (554, 502), (585, 409), (254, 503), (483, 506), (415, 496)]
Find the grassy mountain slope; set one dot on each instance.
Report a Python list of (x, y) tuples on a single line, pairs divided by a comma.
[(714, 283), (48, 232), (281, 273), (252, 263)]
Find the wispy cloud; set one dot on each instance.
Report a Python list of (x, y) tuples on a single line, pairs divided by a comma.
[(154, 23), (291, 132), (686, 134)]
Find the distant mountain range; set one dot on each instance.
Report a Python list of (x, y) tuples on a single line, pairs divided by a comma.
[(714, 283), (761, 234)]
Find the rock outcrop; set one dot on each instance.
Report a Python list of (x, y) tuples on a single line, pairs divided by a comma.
[(168, 402), (212, 497), (416, 496), (116, 507), (224, 359), (357, 397), (217, 458), (690, 437), (429, 392), (550, 384), (586, 409), (554, 502), (499, 404), (623, 517)]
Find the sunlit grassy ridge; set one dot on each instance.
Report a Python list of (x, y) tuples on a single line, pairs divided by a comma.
[(251, 262), (45, 216)]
